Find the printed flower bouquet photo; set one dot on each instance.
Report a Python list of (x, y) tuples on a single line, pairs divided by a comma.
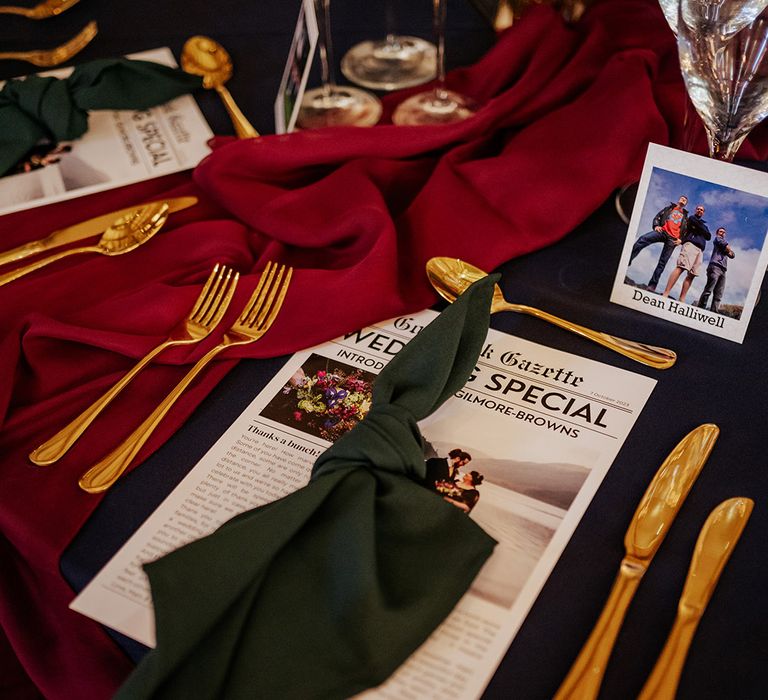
[(324, 398)]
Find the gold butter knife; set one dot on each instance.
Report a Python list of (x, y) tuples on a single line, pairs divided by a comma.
[(717, 539), (85, 229), (654, 516)]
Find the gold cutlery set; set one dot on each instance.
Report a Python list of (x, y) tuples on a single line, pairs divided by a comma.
[(47, 58), (121, 232), (654, 516), (124, 230)]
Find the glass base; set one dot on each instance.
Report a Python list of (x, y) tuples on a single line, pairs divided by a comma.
[(390, 64), (434, 107), (338, 106)]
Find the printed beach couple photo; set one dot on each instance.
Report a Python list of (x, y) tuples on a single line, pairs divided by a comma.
[(697, 243)]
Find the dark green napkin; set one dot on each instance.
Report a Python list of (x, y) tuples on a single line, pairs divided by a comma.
[(325, 592), (35, 108)]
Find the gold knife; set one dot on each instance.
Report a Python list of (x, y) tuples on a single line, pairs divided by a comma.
[(650, 524), (716, 541), (85, 229)]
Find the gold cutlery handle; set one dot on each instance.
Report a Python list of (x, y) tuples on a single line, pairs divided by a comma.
[(13, 10), (243, 127), (26, 269), (650, 355), (108, 470), (663, 681), (21, 252), (54, 449), (584, 679)]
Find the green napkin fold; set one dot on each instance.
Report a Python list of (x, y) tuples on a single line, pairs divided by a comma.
[(325, 592), (36, 107)]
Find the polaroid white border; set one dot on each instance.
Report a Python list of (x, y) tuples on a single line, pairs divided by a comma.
[(712, 171), (285, 123)]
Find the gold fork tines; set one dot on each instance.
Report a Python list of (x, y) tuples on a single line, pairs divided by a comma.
[(43, 10), (257, 317), (205, 315), (46, 58)]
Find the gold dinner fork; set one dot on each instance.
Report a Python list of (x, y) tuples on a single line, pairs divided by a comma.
[(205, 315), (255, 320), (43, 10), (46, 58)]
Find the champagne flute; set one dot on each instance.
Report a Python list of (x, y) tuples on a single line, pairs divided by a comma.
[(723, 50), (439, 105), (332, 104), (391, 63)]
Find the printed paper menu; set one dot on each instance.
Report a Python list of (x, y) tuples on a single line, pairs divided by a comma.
[(120, 147), (534, 429)]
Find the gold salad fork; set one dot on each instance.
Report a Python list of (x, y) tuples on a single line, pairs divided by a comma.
[(43, 10), (46, 58), (198, 324), (255, 320)]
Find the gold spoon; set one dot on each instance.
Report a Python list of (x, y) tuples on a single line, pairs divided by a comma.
[(714, 546), (205, 57), (124, 235), (451, 276), (43, 10)]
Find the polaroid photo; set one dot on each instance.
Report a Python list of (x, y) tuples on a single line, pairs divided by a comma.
[(695, 252), (297, 69)]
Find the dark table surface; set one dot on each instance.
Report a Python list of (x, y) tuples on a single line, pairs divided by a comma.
[(714, 381)]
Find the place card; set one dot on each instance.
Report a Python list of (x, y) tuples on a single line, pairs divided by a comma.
[(297, 69), (695, 250)]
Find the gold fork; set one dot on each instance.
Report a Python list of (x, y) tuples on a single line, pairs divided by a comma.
[(255, 320), (198, 324), (45, 58), (43, 10)]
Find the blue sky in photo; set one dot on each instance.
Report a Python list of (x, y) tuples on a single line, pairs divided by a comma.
[(744, 215)]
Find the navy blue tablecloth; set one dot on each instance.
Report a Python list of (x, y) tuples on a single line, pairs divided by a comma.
[(714, 381)]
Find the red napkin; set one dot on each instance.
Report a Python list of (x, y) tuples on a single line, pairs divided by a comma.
[(568, 114)]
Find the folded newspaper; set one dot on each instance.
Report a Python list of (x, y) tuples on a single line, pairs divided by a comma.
[(121, 147), (521, 449)]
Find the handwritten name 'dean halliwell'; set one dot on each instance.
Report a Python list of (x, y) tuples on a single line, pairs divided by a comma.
[(676, 307)]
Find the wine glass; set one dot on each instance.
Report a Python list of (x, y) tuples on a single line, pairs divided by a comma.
[(439, 105), (723, 50), (391, 63), (332, 104)]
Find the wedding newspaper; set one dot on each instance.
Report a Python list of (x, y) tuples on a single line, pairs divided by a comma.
[(120, 147), (540, 425)]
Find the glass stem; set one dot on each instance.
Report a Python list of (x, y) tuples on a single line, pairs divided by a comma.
[(723, 149), (389, 23), (325, 44), (439, 8)]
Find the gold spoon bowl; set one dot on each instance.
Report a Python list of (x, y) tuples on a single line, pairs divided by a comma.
[(451, 276), (126, 234), (207, 58)]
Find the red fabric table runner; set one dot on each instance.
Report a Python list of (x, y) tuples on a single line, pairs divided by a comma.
[(568, 114)]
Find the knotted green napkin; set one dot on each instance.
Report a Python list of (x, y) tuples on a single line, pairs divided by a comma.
[(35, 107), (325, 592)]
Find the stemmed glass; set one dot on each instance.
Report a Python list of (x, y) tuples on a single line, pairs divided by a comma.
[(391, 63), (439, 105), (723, 49), (332, 104)]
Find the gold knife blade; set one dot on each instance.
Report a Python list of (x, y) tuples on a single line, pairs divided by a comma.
[(716, 541), (654, 516), (85, 229)]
